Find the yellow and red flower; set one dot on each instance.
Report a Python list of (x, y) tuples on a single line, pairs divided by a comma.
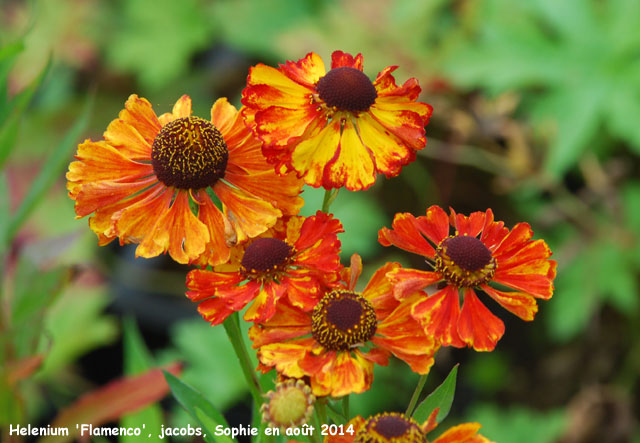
[(394, 427), (335, 128), (337, 344), (481, 253), (296, 259), (151, 179)]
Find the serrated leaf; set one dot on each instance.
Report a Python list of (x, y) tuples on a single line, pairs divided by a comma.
[(441, 397), (193, 401)]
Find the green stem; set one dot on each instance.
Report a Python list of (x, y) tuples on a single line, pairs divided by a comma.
[(334, 414), (232, 326), (416, 395), (345, 407), (317, 423), (321, 409), (329, 196)]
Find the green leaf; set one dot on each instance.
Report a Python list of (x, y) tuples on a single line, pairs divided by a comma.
[(616, 279), (55, 164), (137, 360), (179, 28), (11, 113), (8, 55), (137, 357), (199, 408), (441, 397), (215, 374), (77, 309), (574, 299)]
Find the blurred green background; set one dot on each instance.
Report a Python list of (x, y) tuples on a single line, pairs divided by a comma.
[(536, 115)]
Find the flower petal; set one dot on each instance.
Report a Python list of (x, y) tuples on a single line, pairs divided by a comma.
[(134, 223), (306, 71), (127, 140), (519, 303), (277, 126), (339, 59), (264, 305), (223, 115), (405, 120), (389, 152), (477, 326), (221, 234), (405, 234), (312, 154), (248, 215), (438, 314), (408, 281), (267, 86), (179, 231), (462, 433), (353, 167), (138, 113), (434, 225), (99, 161), (469, 225)]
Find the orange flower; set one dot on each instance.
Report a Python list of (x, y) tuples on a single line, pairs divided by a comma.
[(296, 259), (480, 254), (337, 344), (335, 128), (150, 181), (394, 427)]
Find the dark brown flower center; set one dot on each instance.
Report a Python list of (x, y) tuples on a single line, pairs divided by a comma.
[(467, 252), (265, 254), (189, 153), (388, 427), (464, 261), (343, 319), (347, 89)]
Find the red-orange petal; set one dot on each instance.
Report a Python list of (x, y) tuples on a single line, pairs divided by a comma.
[(221, 234), (179, 231), (519, 303), (404, 234), (248, 215), (438, 314), (463, 433), (306, 71), (477, 326), (407, 281), (434, 224), (264, 305), (340, 59), (470, 225)]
